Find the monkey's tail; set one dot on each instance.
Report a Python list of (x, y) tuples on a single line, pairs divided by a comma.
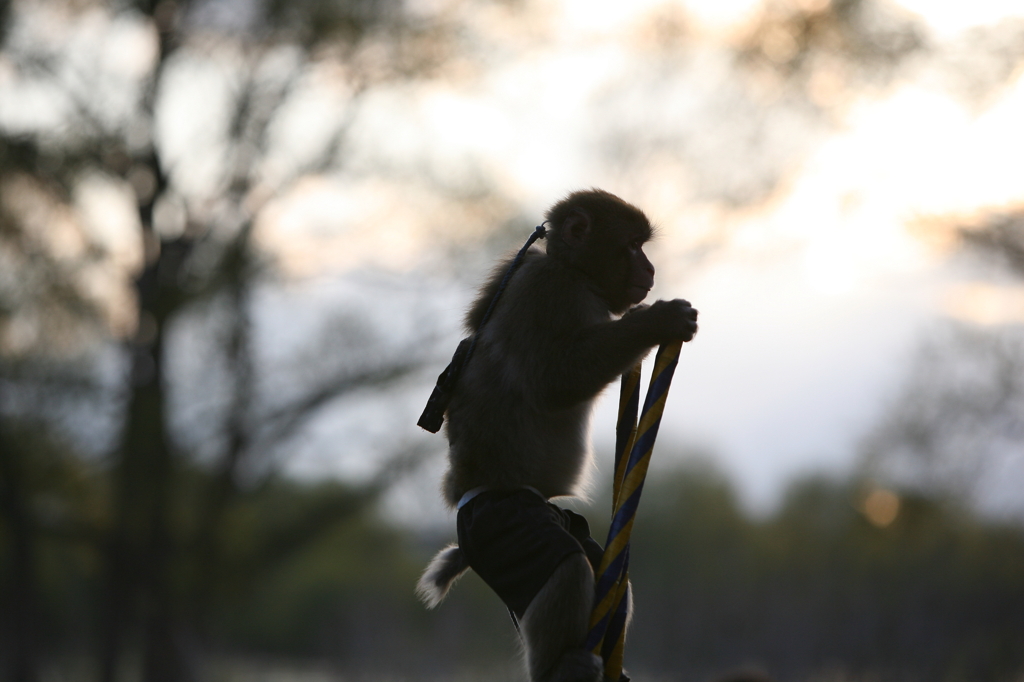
[(441, 573)]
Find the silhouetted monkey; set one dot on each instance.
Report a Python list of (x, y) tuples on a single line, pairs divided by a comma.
[(519, 420)]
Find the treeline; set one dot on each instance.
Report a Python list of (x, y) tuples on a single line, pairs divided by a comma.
[(826, 588), (821, 590)]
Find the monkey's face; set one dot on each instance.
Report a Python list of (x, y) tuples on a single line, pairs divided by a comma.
[(640, 273), (622, 271), (603, 236)]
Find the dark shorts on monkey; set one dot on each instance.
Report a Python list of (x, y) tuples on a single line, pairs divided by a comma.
[(515, 539)]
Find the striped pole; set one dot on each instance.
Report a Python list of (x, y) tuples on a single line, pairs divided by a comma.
[(611, 596)]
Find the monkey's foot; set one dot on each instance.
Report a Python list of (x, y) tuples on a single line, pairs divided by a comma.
[(579, 665)]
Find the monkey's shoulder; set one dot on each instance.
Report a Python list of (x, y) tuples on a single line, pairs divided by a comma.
[(485, 295), (541, 291), (546, 296)]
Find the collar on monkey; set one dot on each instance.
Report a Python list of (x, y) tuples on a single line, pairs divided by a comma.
[(433, 413)]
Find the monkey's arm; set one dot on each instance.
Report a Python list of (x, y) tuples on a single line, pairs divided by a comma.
[(598, 353)]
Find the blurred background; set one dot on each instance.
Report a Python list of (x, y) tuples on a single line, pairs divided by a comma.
[(237, 238)]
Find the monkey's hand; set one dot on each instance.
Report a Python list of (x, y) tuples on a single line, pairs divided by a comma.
[(672, 320)]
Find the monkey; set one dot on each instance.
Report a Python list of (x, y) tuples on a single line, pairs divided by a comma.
[(569, 322)]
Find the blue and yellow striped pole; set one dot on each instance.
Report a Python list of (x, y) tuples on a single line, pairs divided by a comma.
[(611, 595)]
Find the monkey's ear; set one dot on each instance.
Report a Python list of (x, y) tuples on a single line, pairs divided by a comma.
[(576, 228)]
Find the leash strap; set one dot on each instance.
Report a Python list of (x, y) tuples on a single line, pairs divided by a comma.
[(611, 595), (433, 414)]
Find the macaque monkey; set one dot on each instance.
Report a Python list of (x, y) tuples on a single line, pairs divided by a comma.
[(519, 421)]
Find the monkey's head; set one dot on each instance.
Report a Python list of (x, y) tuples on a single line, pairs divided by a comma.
[(602, 236)]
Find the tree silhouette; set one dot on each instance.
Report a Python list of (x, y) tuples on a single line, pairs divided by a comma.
[(197, 250)]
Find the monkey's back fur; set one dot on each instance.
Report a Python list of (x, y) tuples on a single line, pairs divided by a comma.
[(518, 417)]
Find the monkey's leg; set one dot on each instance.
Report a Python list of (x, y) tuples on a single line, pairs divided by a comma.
[(555, 626)]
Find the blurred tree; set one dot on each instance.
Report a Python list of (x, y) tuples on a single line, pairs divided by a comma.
[(53, 508), (957, 424), (99, 136), (820, 590), (1001, 237)]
